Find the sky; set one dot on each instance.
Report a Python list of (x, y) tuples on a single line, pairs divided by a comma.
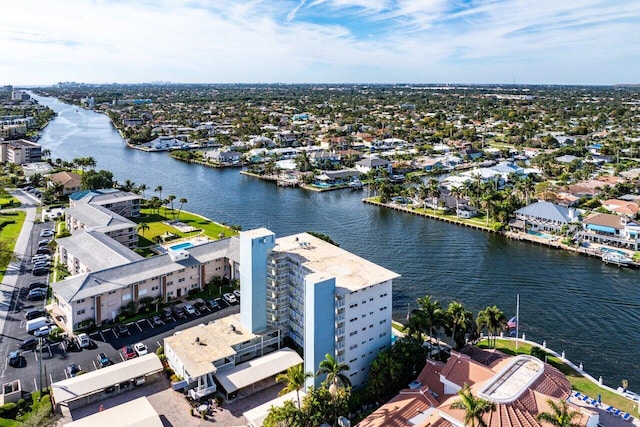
[(586, 42)]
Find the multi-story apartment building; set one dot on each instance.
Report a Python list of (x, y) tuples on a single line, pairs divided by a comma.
[(329, 301), (123, 203), (97, 218), (20, 151), (98, 295)]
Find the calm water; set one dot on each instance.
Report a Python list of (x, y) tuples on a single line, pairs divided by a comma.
[(576, 304)]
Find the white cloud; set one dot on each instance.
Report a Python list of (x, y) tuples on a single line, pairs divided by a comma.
[(546, 41)]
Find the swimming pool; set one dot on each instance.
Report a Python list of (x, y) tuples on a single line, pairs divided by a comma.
[(541, 235), (184, 245)]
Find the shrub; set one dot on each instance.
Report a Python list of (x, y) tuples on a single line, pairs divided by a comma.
[(8, 410), (160, 351)]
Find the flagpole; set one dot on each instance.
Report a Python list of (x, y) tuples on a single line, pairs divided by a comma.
[(517, 318)]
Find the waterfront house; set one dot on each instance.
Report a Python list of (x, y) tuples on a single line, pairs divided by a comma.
[(611, 230), (370, 163), (223, 157), (518, 386), (543, 216), (70, 181), (621, 207)]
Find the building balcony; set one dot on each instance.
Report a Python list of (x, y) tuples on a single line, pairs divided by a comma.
[(340, 345)]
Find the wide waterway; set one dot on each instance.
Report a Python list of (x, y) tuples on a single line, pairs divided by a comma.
[(577, 304)]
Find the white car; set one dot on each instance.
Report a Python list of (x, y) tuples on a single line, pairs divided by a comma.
[(230, 298), (140, 349), (83, 340), (189, 309), (47, 232), (43, 331)]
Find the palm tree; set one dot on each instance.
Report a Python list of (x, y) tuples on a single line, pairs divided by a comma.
[(561, 415), (159, 190), (90, 162), (141, 189), (334, 371), (170, 199), (295, 378), (182, 201), (456, 192), (434, 192), (494, 320), (474, 407), (433, 317), (458, 317), (143, 226)]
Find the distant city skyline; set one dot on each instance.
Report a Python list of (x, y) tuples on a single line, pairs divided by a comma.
[(586, 42)]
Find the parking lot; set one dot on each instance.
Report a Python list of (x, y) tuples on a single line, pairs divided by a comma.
[(53, 358)]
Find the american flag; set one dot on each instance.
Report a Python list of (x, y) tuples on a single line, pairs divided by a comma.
[(513, 322)]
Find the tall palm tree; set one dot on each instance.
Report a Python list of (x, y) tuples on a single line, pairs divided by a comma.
[(561, 415), (143, 226), (456, 192), (90, 162), (182, 201), (458, 318), (474, 407), (141, 189), (494, 320), (335, 372), (432, 314), (434, 192), (170, 199), (159, 190), (295, 378)]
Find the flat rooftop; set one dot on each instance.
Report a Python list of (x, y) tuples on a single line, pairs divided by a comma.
[(351, 271), (215, 341), (513, 380)]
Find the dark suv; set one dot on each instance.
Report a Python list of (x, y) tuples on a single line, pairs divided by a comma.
[(35, 313)]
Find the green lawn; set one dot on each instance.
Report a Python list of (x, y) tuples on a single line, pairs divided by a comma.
[(156, 227), (10, 226), (578, 382), (7, 200)]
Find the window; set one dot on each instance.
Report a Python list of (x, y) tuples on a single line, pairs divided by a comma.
[(353, 333), (126, 297), (155, 288), (181, 280), (383, 308), (353, 305), (80, 311), (383, 321), (383, 295), (142, 292), (80, 301), (370, 299)]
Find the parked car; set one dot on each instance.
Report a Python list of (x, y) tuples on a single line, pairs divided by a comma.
[(47, 232), (38, 285), (157, 321), (43, 331), (29, 344), (166, 314), (44, 250), (43, 243), (179, 312), (40, 257), (42, 271), (41, 264), (200, 306), (37, 294), (189, 309), (213, 304), (103, 360), (236, 293), (83, 340), (72, 370), (16, 360), (128, 352), (140, 349), (230, 298), (35, 313), (121, 329)]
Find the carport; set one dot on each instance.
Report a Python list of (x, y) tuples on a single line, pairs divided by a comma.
[(245, 379), (135, 413), (93, 386)]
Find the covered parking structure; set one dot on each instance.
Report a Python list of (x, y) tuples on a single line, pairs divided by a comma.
[(94, 386), (135, 413), (257, 374)]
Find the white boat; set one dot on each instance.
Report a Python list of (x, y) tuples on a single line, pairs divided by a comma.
[(615, 258), (356, 184)]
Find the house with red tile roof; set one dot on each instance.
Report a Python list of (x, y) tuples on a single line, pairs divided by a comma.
[(518, 386), (621, 207), (611, 230)]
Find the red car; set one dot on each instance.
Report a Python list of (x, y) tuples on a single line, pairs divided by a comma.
[(128, 352)]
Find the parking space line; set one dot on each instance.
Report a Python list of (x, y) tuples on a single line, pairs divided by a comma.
[(197, 312), (95, 368), (121, 356), (150, 324), (159, 345), (35, 384), (50, 378), (138, 326), (102, 336)]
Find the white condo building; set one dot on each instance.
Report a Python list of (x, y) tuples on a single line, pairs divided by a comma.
[(328, 300)]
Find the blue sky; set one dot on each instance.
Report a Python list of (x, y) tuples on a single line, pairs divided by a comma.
[(332, 41)]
